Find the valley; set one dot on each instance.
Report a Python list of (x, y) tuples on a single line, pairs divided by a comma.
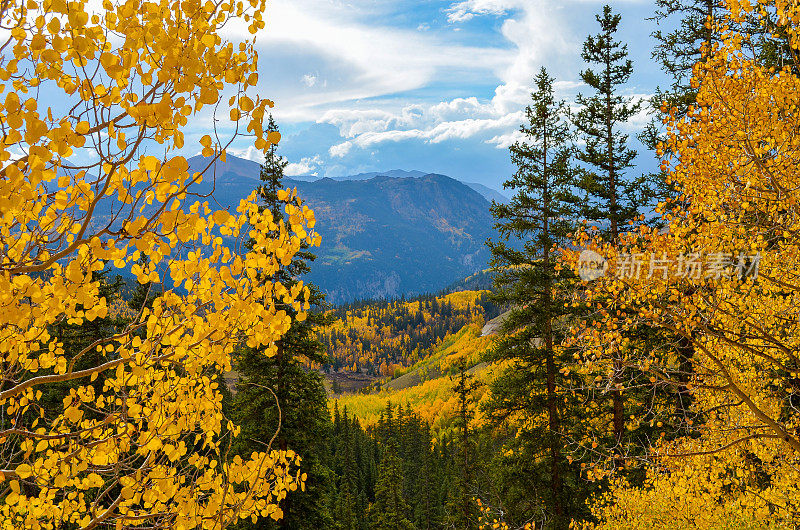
[(409, 353)]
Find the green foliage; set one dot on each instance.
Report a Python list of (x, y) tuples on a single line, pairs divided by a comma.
[(390, 510), (610, 195), (393, 475), (462, 510), (279, 401), (680, 44), (529, 399)]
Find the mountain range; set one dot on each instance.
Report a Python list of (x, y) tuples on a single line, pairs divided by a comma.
[(384, 234)]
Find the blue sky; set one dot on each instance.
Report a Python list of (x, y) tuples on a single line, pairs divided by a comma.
[(433, 85)]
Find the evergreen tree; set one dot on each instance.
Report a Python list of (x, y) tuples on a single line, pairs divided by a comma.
[(280, 396), (347, 492), (427, 488), (679, 48), (390, 510), (610, 197), (463, 511), (683, 37), (540, 214), (685, 34)]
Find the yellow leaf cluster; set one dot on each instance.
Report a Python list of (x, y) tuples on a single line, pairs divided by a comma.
[(138, 441), (735, 163)]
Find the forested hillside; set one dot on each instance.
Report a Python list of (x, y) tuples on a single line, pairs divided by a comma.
[(384, 337), (428, 387)]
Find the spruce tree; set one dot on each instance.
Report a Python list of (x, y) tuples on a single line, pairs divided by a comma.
[(686, 41), (281, 396), (345, 510), (390, 510), (683, 37), (540, 214), (463, 511), (611, 196)]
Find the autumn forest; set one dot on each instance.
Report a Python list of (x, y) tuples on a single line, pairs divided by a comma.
[(625, 358)]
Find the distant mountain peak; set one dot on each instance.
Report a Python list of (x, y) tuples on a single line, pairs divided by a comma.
[(248, 169), (396, 232), (392, 173)]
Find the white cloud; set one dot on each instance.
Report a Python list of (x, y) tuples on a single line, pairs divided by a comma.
[(251, 153), (309, 80), (461, 108), (567, 86), (306, 166), (506, 140), (468, 9), (352, 122), (349, 64), (357, 60), (538, 34), (472, 127), (340, 150), (459, 118)]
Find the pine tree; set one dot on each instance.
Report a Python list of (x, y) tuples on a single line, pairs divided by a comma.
[(683, 37), (429, 504), (611, 197), (463, 511), (540, 214), (345, 466), (280, 396), (390, 510), (682, 46)]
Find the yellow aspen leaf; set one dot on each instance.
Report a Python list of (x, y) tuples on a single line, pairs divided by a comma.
[(24, 471)]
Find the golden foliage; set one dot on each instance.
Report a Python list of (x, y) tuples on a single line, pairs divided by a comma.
[(735, 162), (387, 338), (433, 399), (143, 445)]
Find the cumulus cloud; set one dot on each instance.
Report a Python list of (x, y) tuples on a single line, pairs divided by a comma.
[(357, 56), (469, 9), (390, 86), (306, 166), (506, 140), (460, 118), (537, 33), (340, 150), (250, 153)]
